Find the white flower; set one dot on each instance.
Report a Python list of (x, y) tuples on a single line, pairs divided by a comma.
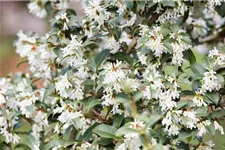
[(201, 129), (152, 39), (72, 52), (108, 100), (132, 141), (165, 100), (173, 130), (3, 88), (125, 38), (192, 120), (142, 58), (112, 45), (218, 127), (95, 11), (198, 99), (41, 119), (37, 9), (65, 20), (213, 3), (122, 147), (128, 21), (62, 16), (168, 119), (206, 146), (67, 117), (172, 14), (200, 28), (210, 81), (137, 124), (177, 54), (217, 56), (62, 85), (36, 147), (113, 73)]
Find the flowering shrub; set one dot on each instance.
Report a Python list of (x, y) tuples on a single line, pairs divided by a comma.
[(123, 77)]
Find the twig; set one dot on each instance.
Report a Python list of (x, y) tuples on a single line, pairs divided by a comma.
[(132, 45), (212, 38), (154, 17)]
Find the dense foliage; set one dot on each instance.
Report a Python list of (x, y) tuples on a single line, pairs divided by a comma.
[(123, 77)]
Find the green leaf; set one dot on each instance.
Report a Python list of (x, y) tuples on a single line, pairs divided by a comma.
[(213, 96), (69, 134), (158, 147), (217, 113), (103, 141), (117, 120), (129, 4), (170, 3), (4, 146), (105, 131), (19, 146), (125, 57), (89, 82), (198, 69), (182, 145), (205, 63), (186, 39), (31, 141), (202, 111), (52, 144), (196, 84), (88, 133), (221, 9), (91, 102), (211, 129), (185, 134), (57, 51), (168, 46), (50, 88), (123, 130), (184, 103), (19, 123), (76, 123), (141, 3), (189, 55), (101, 57)]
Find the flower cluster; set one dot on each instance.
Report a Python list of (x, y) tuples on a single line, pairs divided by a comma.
[(126, 77)]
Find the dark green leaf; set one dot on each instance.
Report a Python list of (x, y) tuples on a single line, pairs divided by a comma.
[(129, 4), (123, 130), (217, 113), (88, 133), (198, 69), (101, 57), (50, 88), (52, 144), (221, 9), (202, 111), (214, 97), (125, 57), (105, 131), (189, 55), (103, 141), (19, 146), (31, 141), (117, 120)]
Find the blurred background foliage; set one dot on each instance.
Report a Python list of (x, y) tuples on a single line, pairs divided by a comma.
[(14, 16)]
